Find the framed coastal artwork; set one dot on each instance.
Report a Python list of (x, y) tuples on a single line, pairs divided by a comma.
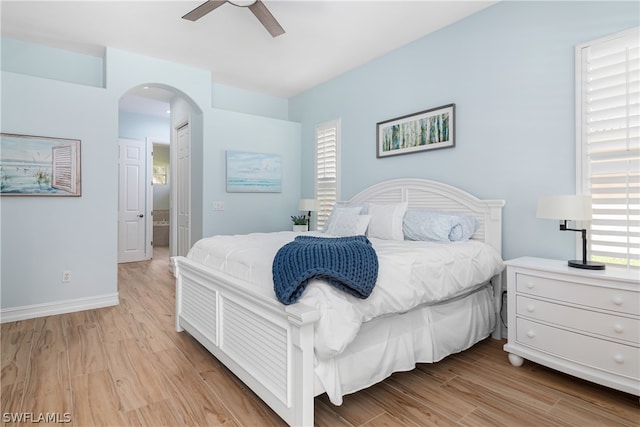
[(39, 166), (253, 172), (426, 130)]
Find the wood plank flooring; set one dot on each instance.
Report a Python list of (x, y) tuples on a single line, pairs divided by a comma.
[(126, 366)]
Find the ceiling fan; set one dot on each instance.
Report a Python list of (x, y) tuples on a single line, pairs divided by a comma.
[(256, 6)]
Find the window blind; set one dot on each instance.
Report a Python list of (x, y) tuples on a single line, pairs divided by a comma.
[(63, 164), (609, 144), (327, 139)]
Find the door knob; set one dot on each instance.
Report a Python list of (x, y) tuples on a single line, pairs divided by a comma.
[(141, 215)]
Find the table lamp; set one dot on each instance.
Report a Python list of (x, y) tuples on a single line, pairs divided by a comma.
[(570, 208), (308, 205)]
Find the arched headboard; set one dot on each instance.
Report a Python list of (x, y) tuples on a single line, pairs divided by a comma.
[(423, 194)]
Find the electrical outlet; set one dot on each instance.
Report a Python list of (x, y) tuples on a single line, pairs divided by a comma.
[(218, 206), (66, 276)]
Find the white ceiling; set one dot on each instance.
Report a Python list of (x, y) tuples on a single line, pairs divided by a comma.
[(323, 39)]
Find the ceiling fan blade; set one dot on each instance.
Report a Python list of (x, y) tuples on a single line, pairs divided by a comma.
[(266, 18), (203, 9)]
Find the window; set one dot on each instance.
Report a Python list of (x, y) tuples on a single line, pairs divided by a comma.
[(608, 144), (160, 175), (327, 143)]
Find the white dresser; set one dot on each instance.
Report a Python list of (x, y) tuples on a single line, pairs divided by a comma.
[(582, 322)]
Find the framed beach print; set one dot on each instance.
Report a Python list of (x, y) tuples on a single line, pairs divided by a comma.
[(39, 166), (253, 172), (426, 130)]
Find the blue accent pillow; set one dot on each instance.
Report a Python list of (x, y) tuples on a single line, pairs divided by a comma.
[(438, 226)]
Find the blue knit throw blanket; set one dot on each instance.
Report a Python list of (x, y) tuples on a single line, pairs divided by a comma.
[(348, 263)]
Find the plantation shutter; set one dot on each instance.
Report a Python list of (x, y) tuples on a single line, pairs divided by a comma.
[(326, 169), (609, 144), (64, 170)]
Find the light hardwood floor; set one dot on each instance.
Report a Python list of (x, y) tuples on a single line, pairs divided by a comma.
[(126, 366)]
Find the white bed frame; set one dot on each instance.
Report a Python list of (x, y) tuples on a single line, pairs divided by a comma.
[(268, 345)]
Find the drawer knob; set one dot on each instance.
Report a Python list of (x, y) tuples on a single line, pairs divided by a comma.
[(530, 285), (617, 300), (619, 359), (618, 328), (530, 308), (531, 334)]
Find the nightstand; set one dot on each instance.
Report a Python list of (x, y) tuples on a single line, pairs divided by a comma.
[(582, 322)]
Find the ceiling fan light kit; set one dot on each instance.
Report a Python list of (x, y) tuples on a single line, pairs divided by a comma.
[(242, 3), (257, 7)]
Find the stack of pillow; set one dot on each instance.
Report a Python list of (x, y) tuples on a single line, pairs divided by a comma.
[(395, 222)]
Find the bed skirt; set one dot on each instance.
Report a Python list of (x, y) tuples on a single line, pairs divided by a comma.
[(424, 335)]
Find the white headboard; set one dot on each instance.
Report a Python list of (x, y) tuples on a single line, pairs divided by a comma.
[(431, 195)]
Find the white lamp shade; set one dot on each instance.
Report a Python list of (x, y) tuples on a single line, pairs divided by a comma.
[(576, 208), (308, 205)]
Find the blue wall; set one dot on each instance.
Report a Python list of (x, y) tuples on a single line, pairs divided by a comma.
[(41, 237), (241, 100), (258, 211), (142, 126), (58, 64), (510, 71)]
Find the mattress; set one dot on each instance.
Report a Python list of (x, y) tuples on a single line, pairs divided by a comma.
[(411, 274)]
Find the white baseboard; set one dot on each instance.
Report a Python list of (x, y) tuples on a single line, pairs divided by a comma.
[(59, 307)]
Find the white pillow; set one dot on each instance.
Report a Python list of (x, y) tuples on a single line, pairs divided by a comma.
[(386, 221), (438, 226), (344, 209), (346, 224)]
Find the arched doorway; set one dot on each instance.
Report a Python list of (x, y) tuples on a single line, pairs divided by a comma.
[(146, 116)]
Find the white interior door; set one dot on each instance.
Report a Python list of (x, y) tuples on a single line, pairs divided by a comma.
[(134, 240), (183, 207)]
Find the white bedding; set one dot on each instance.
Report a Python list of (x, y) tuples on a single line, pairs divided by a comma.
[(424, 335), (410, 274)]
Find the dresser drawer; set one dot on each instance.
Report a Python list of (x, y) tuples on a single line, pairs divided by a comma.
[(596, 353), (607, 325), (618, 300)]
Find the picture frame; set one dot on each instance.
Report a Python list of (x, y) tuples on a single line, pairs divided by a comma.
[(253, 172), (39, 166), (422, 131)]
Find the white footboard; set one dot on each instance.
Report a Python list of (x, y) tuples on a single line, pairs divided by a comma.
[(267, 345)]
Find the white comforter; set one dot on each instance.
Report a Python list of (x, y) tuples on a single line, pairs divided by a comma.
[(410, 274)]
